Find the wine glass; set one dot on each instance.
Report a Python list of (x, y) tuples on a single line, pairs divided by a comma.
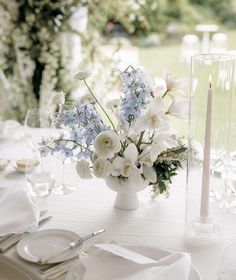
[(37, 126), (63, 157)]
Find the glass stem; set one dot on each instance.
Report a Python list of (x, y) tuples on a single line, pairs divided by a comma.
[(63, 172)]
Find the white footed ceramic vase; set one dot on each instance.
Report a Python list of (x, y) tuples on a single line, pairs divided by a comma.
[(127, 197)]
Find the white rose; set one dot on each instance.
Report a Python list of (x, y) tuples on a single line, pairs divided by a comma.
[(102, 168), (106, 144), (82, 168)]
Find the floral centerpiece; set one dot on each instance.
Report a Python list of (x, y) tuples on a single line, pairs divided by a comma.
[(132, 148)]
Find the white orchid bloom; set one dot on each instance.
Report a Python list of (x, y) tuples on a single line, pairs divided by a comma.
[(154, 118), (173, 83), (146, 164), (144, 157), (150, 173), (178, 108), (126, 165), (160, 143)]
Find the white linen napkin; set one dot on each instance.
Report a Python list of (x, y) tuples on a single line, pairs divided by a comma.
[(18, 212), (228, 275), (107, 266)]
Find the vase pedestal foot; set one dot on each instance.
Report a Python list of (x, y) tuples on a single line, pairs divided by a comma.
[(127, 201)]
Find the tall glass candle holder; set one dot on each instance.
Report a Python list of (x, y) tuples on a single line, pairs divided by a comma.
[(212, 82)]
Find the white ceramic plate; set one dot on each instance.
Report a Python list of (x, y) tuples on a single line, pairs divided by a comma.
[(78, 269), (46, 242), (18, 169), (22, 169)]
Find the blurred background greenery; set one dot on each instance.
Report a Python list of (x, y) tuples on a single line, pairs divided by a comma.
[(43, 44)]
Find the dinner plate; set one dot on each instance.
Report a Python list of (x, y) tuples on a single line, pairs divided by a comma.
[(78, 269), (46, 242)]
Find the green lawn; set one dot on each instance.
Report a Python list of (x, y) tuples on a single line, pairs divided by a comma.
[(168, 55)]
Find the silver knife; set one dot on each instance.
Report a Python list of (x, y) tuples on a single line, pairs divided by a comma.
[(71, 245), (18, 237), (6, 236)]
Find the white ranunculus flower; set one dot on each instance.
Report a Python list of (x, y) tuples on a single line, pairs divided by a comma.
[(149, 173), (106, 144), (82, 75), (82, 168), (102, 168), (113, 104), (57, 98)]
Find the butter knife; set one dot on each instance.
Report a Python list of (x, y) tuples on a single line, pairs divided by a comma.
[(71, 245), (18, 237)]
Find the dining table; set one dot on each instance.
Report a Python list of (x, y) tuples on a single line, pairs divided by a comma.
[(157, 223)]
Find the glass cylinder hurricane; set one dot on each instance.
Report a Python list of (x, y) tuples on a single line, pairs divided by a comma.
[(212, 85)]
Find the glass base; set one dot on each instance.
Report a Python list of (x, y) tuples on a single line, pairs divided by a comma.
[(202, 231), (63, 189)]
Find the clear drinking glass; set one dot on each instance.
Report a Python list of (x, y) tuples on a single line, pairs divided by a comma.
[(39, 181), (63, 188)]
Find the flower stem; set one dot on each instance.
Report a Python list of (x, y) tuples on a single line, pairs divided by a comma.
[(73, 141), (95, 98), (140, 138), (165, 94)]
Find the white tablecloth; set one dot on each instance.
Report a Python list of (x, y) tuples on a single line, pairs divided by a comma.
[(156, 223)]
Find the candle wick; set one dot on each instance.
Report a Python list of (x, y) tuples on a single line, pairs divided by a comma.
[(209, 84)]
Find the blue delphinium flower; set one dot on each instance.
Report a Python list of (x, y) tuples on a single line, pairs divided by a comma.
[(90, 121), (83, 154), (136, 94), (69, 118)]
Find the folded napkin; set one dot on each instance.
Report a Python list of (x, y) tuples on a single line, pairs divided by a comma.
[(108, 266), (18, 212)]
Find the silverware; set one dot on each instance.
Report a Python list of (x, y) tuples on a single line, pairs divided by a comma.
[(57, 274), (5, 237), (50, 268), (18, 237), (71, 245)]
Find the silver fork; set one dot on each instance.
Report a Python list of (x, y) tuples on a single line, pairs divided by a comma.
[(18, 237), (5, 237)]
